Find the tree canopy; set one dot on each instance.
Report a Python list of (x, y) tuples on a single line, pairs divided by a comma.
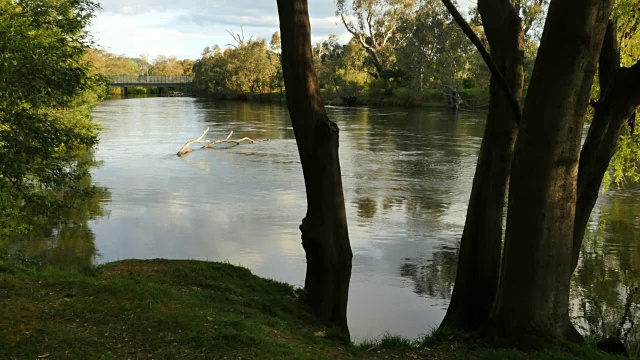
[(247, 67), (46, 93)]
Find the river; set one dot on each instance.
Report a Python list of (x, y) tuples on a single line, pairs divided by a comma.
[(407, 175)]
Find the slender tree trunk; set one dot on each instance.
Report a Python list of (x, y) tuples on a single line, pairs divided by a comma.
[(481, 245), (324, 229), (532, 304)]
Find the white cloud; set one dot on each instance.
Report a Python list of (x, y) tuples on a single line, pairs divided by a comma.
[(184, 28)]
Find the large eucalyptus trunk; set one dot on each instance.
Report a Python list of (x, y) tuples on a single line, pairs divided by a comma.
[(481, 245), (324, 229), (532, 304)]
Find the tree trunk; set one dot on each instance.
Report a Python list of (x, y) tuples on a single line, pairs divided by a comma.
[(375, 61), (324, 229), (619, 97), (531, 309), (481, 245)]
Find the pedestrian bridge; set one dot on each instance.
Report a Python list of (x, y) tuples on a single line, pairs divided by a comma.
[(126, 81)]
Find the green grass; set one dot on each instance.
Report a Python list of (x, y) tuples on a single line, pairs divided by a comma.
[(447, 345), (165, 309), (159, 309)]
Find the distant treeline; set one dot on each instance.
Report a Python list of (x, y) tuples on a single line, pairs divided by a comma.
[(113, 65), (403, 52), (109, 65)]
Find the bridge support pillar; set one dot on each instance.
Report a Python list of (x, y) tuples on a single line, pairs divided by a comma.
[(123, 91)]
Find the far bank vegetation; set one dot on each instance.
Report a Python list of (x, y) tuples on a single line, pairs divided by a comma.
[(408, 54)]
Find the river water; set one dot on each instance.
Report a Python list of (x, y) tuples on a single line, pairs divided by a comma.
[(407, 176)]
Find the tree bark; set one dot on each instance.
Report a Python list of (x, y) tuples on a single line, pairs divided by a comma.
[(324, 229), (481, 245), (531, 309), (619, 98)]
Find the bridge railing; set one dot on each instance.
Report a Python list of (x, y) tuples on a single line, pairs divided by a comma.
[(151, 79)]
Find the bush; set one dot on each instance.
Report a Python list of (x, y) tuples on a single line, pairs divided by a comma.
[(45, 105)]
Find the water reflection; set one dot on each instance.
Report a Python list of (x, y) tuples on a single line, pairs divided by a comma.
[(605, 294), (407, 178), (367, 207), (433, 277), (606, 288), (68, 242)]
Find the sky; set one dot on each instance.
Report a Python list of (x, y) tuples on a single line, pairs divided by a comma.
[(183, 28)]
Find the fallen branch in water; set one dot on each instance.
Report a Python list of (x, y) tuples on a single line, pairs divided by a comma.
[(186, 149), (227, 140)]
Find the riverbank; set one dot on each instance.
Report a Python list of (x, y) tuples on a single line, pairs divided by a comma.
[(472, 99), (165, 309)]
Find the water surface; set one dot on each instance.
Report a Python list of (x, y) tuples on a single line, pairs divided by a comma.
[(407, 176)]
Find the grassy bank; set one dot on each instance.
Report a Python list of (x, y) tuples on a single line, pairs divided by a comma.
[(164, 309)]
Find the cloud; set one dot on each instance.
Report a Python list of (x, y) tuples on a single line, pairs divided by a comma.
[(184, 28), (320, 8)]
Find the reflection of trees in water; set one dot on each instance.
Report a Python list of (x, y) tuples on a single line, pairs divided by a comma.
[(605, 290), (606, 287), (367, 207), (256, 120), (64, 240), (423, 150), (432, 277), (416, 163)]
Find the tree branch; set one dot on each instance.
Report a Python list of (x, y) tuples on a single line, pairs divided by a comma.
[(609, 61), (370, 50), (346, 25), (619, 98), (355, 33), (373, 36), (186, 149), (468, 31), (387, 37)]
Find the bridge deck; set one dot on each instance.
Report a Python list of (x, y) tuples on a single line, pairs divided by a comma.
[(147, 81)]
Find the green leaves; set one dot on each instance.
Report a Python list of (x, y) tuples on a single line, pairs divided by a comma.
[(627, 14), (250, 67), (46, 94), (624, 165)]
